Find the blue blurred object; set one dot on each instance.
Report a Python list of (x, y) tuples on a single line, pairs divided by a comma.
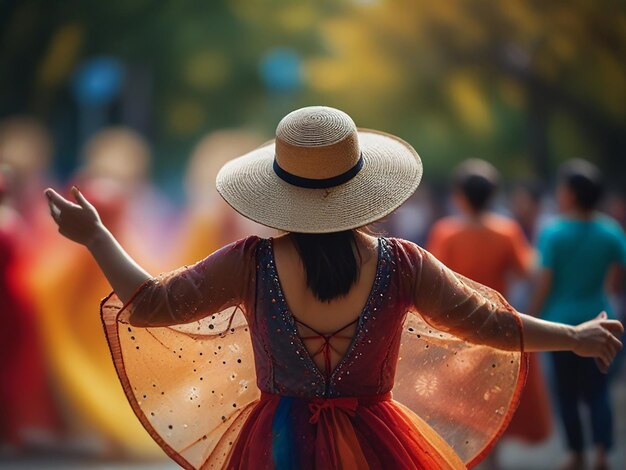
[(98, 81), (281, 70)]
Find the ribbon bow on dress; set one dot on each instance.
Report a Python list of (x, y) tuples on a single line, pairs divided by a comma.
[(346, 404)]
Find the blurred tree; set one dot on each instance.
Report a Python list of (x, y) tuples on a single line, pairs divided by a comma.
[(495, 79), (200, 61), (523, 83)]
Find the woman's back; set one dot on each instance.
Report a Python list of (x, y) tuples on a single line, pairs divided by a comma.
[(314, 316)]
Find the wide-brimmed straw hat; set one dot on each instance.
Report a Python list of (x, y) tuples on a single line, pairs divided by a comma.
[(321, 174)]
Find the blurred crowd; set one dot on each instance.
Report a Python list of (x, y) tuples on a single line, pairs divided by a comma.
[(59, 392)]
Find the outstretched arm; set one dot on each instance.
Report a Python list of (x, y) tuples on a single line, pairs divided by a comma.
[(597, 338), (473, 312), (81, 223)]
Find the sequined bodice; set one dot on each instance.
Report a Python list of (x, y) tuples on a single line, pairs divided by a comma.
[(285, 367)]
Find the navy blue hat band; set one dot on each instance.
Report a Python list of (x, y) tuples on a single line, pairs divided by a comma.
[(312, 183)]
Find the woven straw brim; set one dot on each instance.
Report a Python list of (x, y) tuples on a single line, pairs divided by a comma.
[(391, 172)]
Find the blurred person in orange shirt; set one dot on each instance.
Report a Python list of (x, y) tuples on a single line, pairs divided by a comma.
[(489, 249), (478, 243)]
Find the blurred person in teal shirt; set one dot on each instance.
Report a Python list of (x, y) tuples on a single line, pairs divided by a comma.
[(577, 253)]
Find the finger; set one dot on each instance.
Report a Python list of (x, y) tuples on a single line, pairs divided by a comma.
[(54, 211), (616, 342), (59, 200), (601, 316), (82, 201), (602, 365), (615, 327), (615, 345), (612, 351), (607, 355)]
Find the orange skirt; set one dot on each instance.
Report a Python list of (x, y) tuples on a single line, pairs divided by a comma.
[(348, 433)]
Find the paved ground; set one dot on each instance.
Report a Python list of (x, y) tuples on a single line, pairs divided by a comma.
[(513, 456)]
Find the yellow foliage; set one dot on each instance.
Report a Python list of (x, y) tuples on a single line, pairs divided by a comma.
[(370, 78), (327, 75), (455, 16), (207, 70), (296, 17), (524, 18), (398, 56), (383, 19), (344, 36), (466, 97), (61, 55), (562, 47)]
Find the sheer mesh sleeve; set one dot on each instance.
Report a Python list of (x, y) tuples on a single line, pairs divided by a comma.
[(182, 351), (461, 362), (464, 308), (190, 293)]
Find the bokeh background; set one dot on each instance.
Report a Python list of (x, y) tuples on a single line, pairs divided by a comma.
[(139, 102), (523, 84)]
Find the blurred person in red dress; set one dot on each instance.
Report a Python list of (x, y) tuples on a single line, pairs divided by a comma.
[(489, 249), (28, 416)]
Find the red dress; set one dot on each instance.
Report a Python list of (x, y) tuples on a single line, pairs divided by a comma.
[(211, 361), (27, 408)]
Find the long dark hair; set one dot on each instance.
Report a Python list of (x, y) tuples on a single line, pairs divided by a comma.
[(330, 262)]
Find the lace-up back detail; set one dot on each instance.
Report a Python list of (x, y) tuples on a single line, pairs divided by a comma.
[(326, 346), (288, 347)]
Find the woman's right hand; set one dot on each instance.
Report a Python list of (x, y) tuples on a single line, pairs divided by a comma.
[(599, 338), (78, 222)]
